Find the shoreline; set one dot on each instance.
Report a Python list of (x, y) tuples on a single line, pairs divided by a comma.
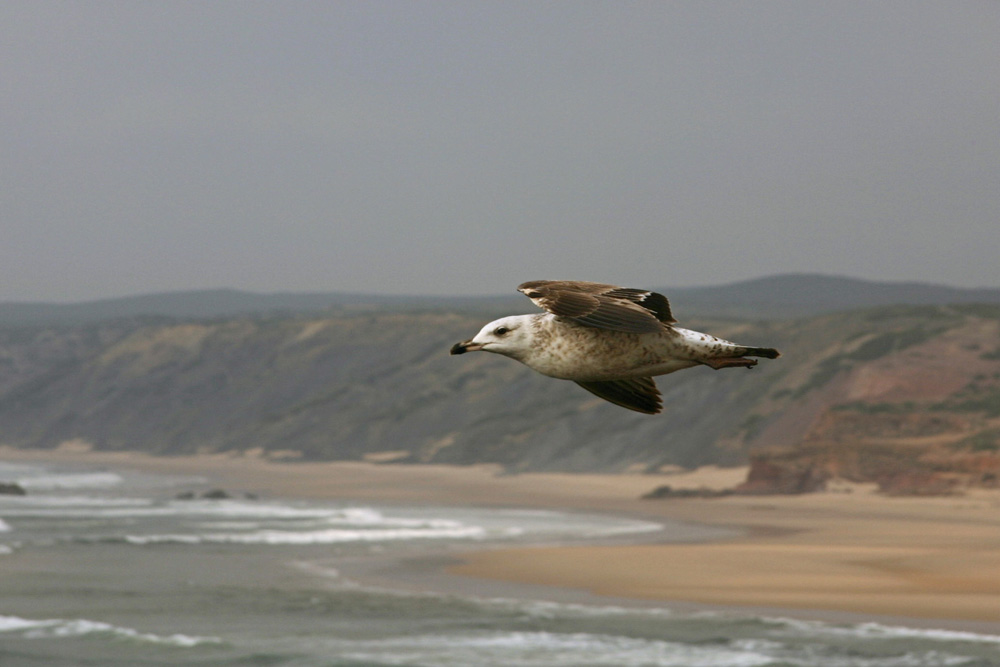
[(850, 556)]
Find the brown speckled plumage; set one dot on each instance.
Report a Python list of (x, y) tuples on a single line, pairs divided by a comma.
[(610, 340)]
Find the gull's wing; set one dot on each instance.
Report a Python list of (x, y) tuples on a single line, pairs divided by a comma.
[(639, 394), (601, 306)]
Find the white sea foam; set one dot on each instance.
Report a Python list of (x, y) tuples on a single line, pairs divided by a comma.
[(271, 522), (125, 508), (251, 522), (625, 527), (879, 631), (545, 649), (4, 526), (330, 536), (70, 480), (546, 609), (62, 628), (71, 501), (531, 649), (588, 526), (314, 568)]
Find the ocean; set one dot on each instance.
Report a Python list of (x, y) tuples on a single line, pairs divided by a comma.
[(117, 567)]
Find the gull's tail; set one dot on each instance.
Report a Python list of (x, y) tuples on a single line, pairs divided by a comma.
[(766, 352)]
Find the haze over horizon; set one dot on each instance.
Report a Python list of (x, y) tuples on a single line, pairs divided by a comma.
[(461, 148)]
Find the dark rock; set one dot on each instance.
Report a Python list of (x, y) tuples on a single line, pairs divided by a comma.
[(783, 476), (12, 489), (214, 494), (666, 491), (918, 483)]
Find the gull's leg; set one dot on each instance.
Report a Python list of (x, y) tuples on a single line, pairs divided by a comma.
[(730, 362)]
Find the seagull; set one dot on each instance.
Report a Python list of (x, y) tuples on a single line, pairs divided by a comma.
[(609, 340)]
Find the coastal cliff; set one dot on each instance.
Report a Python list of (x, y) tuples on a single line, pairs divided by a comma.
[(891, 394)]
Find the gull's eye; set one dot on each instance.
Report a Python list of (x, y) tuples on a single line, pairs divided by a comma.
[(501, 331)]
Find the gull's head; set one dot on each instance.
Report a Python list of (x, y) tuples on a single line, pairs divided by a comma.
[(509, 336)]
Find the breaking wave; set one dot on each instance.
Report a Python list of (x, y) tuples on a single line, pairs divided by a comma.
[(54, 628), (68, 481)]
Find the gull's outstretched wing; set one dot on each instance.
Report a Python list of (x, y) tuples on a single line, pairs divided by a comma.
[(601, 306), (639, 394)]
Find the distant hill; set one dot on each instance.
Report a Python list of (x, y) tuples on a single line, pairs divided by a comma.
[(799, 295), (213, 304), (783, 296)]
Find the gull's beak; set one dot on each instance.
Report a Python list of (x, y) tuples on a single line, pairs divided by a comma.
[(466, 346)]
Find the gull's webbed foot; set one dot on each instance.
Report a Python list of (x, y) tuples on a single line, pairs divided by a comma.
[(730, 362)]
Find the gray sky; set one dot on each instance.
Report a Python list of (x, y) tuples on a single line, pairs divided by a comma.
[(446, 147)]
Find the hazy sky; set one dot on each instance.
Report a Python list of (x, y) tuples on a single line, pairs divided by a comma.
[(463, 147)]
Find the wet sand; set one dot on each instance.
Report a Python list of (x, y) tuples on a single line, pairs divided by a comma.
[(848, 550)]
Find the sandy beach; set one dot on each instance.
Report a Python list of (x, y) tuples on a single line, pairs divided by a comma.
[(847, 550)]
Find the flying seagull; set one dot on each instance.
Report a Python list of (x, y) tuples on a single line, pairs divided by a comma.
[(609, 340)]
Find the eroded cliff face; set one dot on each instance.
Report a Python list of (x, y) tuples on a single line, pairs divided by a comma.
[(380, 385), (915, 408)]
